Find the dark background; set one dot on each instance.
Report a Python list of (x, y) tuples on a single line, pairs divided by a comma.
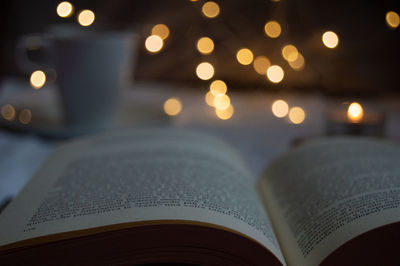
[(366, 62)]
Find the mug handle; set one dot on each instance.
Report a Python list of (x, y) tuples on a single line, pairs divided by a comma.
[(22, 59)]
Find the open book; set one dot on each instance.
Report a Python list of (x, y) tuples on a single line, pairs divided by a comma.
[(159, 195)]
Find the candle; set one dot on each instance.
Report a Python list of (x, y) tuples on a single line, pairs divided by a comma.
[(355, 121), (355, 112)]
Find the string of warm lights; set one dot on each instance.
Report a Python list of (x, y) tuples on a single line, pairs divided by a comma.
[(86, 17), (216, 96), (25, 116), (280, 108), (205, 71), (172, 106), (38, 77), (245, 56), (66, 9), (205, 45), (296, 114), (154, 43), (272, 29), (330, 39), (210, 9), (261, 64), (392, 19), (9, 113), (161, 31)]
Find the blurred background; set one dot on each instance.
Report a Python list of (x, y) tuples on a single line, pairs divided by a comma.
[(262, 74), (364, 59)]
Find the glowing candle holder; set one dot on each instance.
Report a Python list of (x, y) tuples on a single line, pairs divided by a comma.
[(355, 121)]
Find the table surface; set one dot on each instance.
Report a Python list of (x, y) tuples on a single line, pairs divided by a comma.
[(253, 130)]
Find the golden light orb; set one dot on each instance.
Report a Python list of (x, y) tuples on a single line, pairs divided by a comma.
[(86, 17), (172, 106), (209, 98), (37, 79), (290, 52), (280, 108), (272, 29), (392, 19), (218, 87), (261, 64), (154, 43), (205, 71), (161, 31), (205, 45), (297, 115), (355, 112), (25, 116), (299, 63), (275, 74), (225, 114), (210, 9), (8, 112), (330, 39), (222, 102), (244, 56), (65, 9)]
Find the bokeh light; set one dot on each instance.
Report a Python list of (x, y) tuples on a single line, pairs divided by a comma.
[(86, 17), (37, 79), (209, 98), (290, 53), (272, 29), (222, 102), (330, 39), (275, 74), (8, 112), (280, 108), (392, 19), (299, 63), (172, 106), (205, 45), (210, 9), (244, 56), (25, 116), (297, 115), (161, 31), (218, 87), (355, 112), (225, 114), (154, 43), (205, 71), (65, 9), (261, 64)]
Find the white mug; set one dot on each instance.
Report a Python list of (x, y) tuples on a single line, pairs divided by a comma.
[(89, 66)]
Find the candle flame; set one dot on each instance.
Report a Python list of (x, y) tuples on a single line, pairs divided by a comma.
[(355, 112)]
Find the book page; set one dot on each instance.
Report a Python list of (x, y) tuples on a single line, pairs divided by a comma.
[(327, 192), (143, 175)]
